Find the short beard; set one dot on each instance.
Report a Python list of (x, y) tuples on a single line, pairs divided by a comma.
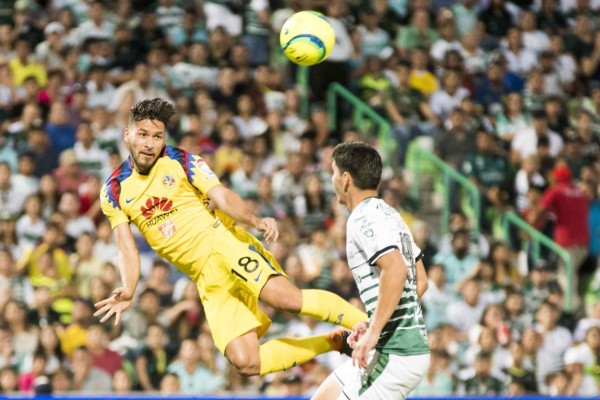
[(143, 170)]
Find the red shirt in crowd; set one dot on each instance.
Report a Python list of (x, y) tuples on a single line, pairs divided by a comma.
[(108, 361), (571, 208)]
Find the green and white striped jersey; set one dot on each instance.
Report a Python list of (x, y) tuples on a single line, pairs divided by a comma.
[(374, 229)]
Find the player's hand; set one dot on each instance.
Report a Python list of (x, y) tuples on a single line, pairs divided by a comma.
[(357, 332), (268, 227), (116, 304), (360, 355)]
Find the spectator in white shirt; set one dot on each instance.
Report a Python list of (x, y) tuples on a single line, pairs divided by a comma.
[(564, 62), (448, 41), (100, 92), (466, 313), (555, 342), (373, 39), (584, 324), (449, 97), (246, 121), (528, 174), (533, 38), (95, 27), (25, 179), (474, 56), (92, 159), (579, 363), (520, 59), (49, 51), (76, 224), (169, 15), (31, 226), (139, 86), (11, 197), (245, 179), (437, 298), (525, 141)]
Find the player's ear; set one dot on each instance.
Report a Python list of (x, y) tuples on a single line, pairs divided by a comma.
[(126, 135), (346, 180)]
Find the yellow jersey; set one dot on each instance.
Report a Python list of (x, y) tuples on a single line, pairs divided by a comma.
[(169, 206)]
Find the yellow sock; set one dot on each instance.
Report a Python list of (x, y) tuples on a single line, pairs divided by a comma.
[(285, 353), (329, 307)]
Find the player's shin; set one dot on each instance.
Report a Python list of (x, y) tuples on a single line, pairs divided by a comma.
[(329, 307), (285, 353)]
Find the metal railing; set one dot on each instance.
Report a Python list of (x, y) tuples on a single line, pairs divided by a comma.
[(364, 118), (302, 78), (536, 239), (448, 175)]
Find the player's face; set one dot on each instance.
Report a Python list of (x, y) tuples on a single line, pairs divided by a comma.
[(145, 141), (338, 184)]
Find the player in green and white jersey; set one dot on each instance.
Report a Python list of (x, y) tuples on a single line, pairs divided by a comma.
[(391, 353)]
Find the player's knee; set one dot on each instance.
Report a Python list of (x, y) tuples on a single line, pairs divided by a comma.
[(281, 294), (245, 364)]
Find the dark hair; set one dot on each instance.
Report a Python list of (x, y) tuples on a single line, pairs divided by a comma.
[(156, 108), (361, 161)]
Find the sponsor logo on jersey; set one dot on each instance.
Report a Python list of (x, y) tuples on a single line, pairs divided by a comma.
[(168, 181), (154, 205), (167, 228), (205, 169)]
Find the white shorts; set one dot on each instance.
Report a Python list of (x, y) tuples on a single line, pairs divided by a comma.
[(387, 377)]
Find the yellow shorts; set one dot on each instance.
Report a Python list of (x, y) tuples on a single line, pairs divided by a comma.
[(230, 283)]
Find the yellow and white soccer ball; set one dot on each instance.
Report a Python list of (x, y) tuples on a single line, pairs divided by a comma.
[(307, 38)]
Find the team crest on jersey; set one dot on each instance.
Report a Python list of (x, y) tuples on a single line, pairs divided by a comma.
[(167, 229), (168, 181)]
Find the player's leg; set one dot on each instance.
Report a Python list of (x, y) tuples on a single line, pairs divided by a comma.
[(285, 353), (276, 290), (329, 389), (243, 353), (280, 293), (390, 376), (337, 383), (248, 358)]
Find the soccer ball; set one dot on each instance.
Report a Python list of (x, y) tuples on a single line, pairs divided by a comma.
[(307, 38)]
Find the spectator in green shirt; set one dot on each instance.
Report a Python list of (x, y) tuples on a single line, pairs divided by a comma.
[(482, 383), (409, 111), (418, 34), (488, 169)]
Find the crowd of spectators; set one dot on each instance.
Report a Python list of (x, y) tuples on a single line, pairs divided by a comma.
[(507, 92)]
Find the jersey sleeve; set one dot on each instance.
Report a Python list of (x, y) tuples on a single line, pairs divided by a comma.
[(197, 171), (109, 199), (373, 235), (378, 235)]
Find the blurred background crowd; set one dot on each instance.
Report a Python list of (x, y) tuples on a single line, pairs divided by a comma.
[(506, 92)]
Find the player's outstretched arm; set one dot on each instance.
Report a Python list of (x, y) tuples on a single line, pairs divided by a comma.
[(422, 280), (129, 269), (393, 276), (232, 204)]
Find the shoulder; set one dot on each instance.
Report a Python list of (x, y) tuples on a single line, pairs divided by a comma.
[(175, 153), (184, 158), (112, 185)]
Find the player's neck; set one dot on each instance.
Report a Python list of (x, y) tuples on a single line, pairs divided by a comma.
[(355, 198)]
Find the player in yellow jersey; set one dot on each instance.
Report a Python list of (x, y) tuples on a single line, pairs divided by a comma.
[(165, 192)]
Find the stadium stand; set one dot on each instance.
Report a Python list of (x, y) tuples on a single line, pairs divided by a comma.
[(505, 93)]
